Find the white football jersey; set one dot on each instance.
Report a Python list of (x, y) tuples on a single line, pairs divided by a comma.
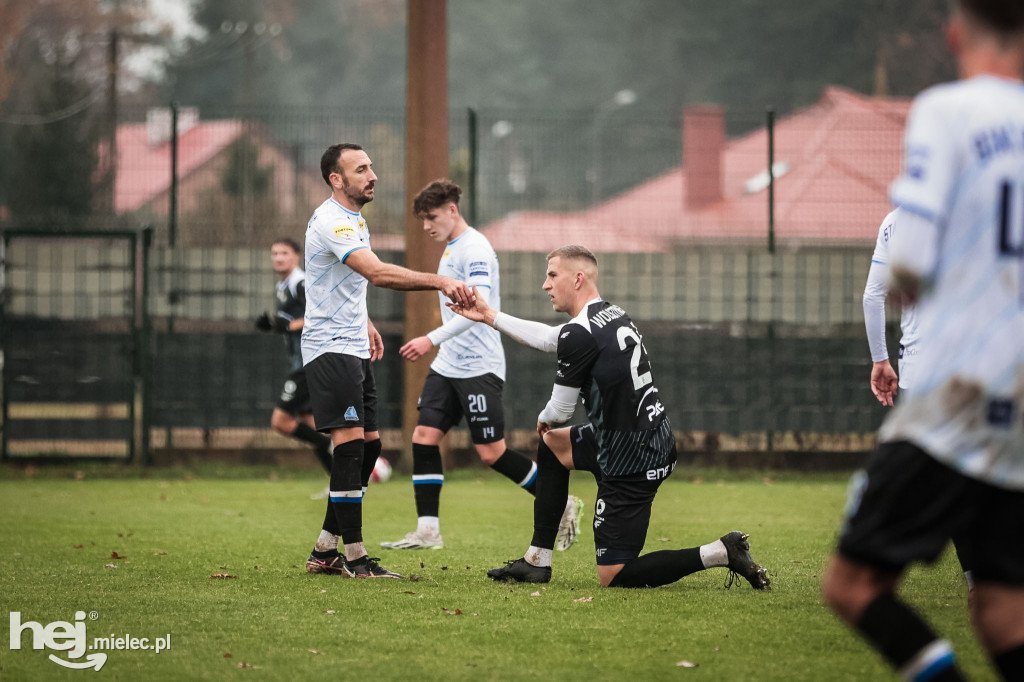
[(909, 347), (963, 182), (335, 320), (476, 351)]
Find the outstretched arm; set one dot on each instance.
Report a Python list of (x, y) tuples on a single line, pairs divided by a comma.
[(533, 334), (391, 276)]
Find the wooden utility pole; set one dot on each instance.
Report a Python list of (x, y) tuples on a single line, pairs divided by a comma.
[(426, 159)]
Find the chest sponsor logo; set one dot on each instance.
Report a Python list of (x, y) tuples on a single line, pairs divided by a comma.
[(345, 232)]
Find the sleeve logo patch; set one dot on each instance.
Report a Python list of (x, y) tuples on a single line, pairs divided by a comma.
[(345, 232)]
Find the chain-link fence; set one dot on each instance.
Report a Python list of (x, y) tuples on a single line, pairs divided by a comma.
[(737, 241)]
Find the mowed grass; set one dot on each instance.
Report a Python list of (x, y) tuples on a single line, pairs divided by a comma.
[(273, 621)]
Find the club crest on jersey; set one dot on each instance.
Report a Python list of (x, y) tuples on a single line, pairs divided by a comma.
[(362, 224), (345, 232), (447, 253), (351, 415)]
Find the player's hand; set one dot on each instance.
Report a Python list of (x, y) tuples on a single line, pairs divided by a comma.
[(884, 382), (478, 310), (263, 323), (458, 292), (542, 428), (416, 348), (376, 343)]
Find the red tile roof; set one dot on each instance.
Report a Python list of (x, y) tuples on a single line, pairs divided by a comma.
[(144, 170), (841, 152)]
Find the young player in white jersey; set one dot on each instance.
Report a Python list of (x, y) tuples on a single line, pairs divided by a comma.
[(951, 457), (338, 344), (884, 381), (293, 415), (466, 378), (628, 444)]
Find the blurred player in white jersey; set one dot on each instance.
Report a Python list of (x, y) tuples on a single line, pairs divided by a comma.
[(884, 381), (338, 344), (466, 378), (951, 456)]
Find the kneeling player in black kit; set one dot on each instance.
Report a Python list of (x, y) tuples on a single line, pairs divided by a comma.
[(628, 444)]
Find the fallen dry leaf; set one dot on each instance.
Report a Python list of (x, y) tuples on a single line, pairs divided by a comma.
[(535, 594), (330, 612), (227, 654), (456, 612), (159, 552), (110, 565), (222, 575), (584, 599), (77, 547), (243, 664), (115, 555), (687, 664), (312, 651), (408, 592)]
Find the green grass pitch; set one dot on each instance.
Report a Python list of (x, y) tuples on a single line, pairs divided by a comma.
[(175, 529)]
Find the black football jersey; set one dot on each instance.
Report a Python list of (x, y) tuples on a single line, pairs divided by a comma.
[(601, 352), (291, 305)]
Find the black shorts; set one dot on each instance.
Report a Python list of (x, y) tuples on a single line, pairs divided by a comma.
[(342, 392), (444, 401), (295, 395), (622, 512), (906, 505)]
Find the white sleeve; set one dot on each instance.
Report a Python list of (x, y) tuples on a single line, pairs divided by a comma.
[(456, 325), (533, 334), (560, 407), (874, 310)]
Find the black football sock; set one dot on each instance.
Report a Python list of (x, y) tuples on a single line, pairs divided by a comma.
[(1011, 663), (427, 479), (659, 568), (907, 642), (347, 491), (519, 469), (549, 503), (371, 451), (321, 443)]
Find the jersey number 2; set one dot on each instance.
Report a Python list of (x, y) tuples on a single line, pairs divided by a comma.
[(639, 380)]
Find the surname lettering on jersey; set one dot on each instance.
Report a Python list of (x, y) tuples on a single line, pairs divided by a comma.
[(998, 140), (612, 312)]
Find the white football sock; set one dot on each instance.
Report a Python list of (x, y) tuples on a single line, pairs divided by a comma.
[(354, 551), (714, 554), (431, 524), (535, 556), (326, 542)]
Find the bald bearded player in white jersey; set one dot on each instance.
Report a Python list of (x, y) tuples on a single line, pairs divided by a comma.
[(466, 378), (338, 344), (951, 456)]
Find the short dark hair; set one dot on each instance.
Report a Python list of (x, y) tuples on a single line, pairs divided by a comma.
[(436, 194), (329, 160), (574, 252), (1002, 16), (289, 242)]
